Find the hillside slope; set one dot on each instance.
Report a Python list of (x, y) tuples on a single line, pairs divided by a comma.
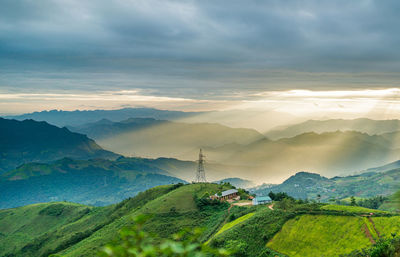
[(92, 227), (95, 182), (73, 230), (330, 154), (306, 185), (32, 141)]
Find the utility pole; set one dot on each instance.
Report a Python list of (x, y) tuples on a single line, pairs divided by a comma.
[(200, 174)]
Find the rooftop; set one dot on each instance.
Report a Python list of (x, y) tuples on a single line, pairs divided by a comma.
[(263, 198), (228, 192)]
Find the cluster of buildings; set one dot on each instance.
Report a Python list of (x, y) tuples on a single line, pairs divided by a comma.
[(232, 194)]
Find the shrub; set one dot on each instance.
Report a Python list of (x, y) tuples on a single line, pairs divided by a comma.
[(134, 242)]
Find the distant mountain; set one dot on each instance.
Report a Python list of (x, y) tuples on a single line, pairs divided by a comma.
[(372, 127), (387, 167), (77, 118), (329, 154), (96, 182), (237, 182), (31, 141), (154, 138), (308, 185)]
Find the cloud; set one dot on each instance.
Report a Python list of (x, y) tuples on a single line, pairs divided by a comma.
[(198, 49)]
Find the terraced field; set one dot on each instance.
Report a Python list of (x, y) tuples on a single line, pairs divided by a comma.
[(311, 235)]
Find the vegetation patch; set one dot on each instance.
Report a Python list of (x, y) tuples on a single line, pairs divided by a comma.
[(234, 223), (311, 235), (351, 209)]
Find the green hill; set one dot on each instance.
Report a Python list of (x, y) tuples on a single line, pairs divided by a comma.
[(294, 229), (77, 230), (310, 185), (31, 141), (95, 182)]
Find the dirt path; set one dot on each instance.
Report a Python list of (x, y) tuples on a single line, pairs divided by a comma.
[(373, 225), (368, 234), (242, 204)]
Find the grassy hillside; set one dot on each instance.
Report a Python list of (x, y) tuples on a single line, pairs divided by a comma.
[(78, 230), (74, 230), (351, 209), (311, 235)]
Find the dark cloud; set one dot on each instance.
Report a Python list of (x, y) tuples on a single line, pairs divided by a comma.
[(191, 45)]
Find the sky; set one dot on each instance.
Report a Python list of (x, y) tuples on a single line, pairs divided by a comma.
[(334, 58)]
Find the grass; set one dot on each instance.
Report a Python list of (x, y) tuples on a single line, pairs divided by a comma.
[(248, 237), (74, 230), (352, 209), (181, 199), (311, 235), (387, 225), (21, 225), (234, 223)]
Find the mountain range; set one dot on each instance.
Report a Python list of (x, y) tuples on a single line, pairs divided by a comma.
[(304, 185), (371, 127), (94, 182), (76, 118), (32, 141), (155, 138), (329, 153)]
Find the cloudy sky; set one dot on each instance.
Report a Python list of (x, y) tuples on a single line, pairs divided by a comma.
[(334, 56)]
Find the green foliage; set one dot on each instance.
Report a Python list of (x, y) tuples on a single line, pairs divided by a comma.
[(387, 247), (353, 201), (311, 235), (373, 202), (351, 209), (247, 237), (53, 210), (134, 242), (234, 223), (279, 196)]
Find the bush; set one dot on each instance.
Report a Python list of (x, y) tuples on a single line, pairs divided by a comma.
[(135, 242)]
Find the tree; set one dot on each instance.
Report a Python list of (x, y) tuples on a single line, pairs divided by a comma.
[(353, 201), (279, 196)]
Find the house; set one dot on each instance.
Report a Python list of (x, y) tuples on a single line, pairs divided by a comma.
[(261, 200), (226, 195)]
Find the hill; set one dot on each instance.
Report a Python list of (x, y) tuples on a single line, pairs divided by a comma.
[(329, 154), (237, 182), (154, 138), (94, 182), (246, 151), (76, 230), (309, 185), (31, 141), (73, 230), (364, 125), (77, 118)]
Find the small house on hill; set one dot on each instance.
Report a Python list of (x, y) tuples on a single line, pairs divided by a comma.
[(226, 195), (261, 200)]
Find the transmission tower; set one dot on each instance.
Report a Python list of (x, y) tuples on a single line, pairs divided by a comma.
[(200, 174)]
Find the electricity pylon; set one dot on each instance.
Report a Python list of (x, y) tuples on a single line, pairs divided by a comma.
[(200, 174)]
